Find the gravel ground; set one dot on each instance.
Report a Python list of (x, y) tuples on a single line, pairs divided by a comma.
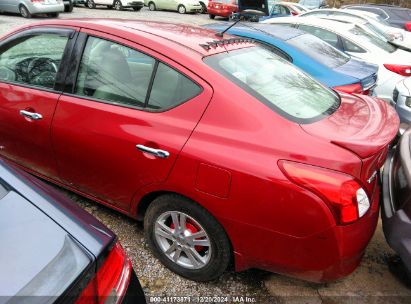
[(379, 279)]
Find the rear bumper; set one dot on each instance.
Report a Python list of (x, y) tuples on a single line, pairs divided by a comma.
[(134, 293), (136, 4), (44, 9), (220, 12), (396, 223), (322, 257)]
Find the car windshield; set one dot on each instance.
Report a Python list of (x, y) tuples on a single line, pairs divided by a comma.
[(277, 83), (377, 30), (319, 50), (369, 38)]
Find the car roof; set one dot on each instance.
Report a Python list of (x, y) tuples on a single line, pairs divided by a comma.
[(280, 32), (326, 23), (180, 35)]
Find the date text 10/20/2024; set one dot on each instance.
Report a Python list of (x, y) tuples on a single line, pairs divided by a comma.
[(203, 299)]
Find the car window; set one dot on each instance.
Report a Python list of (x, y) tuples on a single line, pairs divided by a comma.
[(325, 35), (352, 47), (280, 10), (373, 10), (400, 14), (319, 50), (34, 60), (171, 88), (277, 83), (114, 73), (369, 38)]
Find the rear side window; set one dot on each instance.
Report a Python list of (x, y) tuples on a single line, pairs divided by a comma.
[(170, 88), (369, 38), (352, 47), (276, 83), (3, 191), (34, 60), (120, 75), (319, 50), (325, 35)]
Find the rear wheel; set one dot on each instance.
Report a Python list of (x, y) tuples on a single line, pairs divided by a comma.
[(151, 6), (69, 8), (118, 6), (90, 4), (24, 12), (186, 238), (203, 8), (182, 9), (211, 16)]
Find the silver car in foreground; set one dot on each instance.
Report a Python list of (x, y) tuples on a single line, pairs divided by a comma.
[(27, 8)]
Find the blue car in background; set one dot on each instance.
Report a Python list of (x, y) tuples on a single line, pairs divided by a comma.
[(312, 55)]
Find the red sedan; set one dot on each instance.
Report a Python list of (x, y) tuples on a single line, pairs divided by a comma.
[(222, 8), (225, 150)]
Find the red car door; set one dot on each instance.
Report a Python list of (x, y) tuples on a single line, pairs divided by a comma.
[(29, 70), (128, 115)]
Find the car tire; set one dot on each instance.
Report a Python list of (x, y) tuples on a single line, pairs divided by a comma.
[(181, 9), (118, 6), (68, 8), (24, 12), (53, 15), (152, 6), (136, 9), (211, 16), (196, 262), (203, 8), (90, 4)]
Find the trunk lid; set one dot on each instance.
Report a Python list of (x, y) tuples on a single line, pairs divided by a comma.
[(362, 124), (363, 71), (38, 258)]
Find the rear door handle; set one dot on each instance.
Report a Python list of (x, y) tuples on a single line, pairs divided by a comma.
[(31, 115), (156, 152)]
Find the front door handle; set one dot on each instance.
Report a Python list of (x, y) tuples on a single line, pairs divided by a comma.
[(31, 115), (156, 152)]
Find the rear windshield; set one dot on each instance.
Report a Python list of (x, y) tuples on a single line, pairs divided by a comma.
[(369, 38), (276, 83), (319, 50)]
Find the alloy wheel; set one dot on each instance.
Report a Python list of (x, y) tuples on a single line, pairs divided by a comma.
[(183, 240)]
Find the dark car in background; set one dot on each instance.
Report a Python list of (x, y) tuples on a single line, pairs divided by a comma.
[(394, 15), (53, 251), (396, 210)]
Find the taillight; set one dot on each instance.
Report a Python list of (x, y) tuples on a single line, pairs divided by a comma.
[(404, 70), (346, 198), (408, 26), (350, 88), (110, 283)]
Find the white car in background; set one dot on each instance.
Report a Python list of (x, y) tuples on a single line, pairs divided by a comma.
[(402, 99), (116, 4), (28, 8), (382, 27), (351, 38)]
